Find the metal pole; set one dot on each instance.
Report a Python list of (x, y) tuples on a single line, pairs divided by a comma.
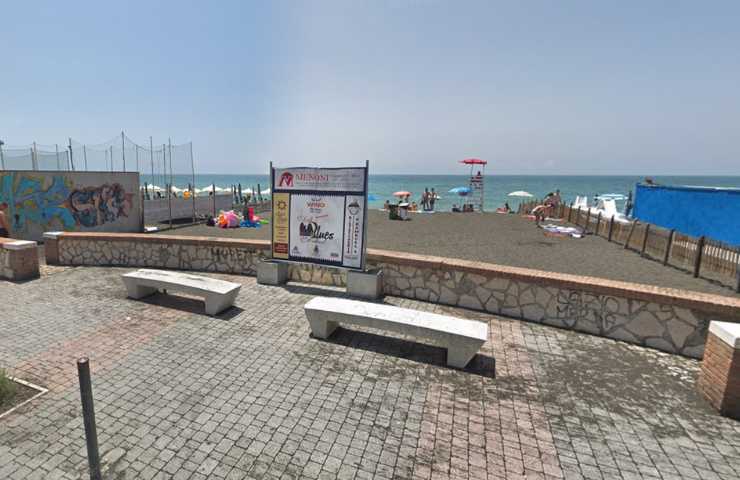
[(35, 157), (192, 168), (169, 142), (598, 224), (88, 415), (84, 154), (2, 158), (111, 158), (164, 164), (151, 159), (56, 149), (213, 192), (123, 151), (137, 157), (71, 158)]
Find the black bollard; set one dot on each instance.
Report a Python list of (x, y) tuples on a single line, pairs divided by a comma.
[(88, 414)]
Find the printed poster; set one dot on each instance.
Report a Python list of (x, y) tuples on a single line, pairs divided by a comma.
[(281, 225), (354, 218), (316, 227)]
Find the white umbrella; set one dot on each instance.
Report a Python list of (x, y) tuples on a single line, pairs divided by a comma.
[(177, 190), (155, 188), (521, 193), (265, 192)]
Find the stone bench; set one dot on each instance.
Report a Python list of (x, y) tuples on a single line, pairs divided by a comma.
[(219, 294), (462, 338)]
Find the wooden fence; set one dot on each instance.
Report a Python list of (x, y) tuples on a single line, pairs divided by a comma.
[(697, 255)]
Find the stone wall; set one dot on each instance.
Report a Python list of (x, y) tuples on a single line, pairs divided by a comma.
[(671, 320), (19, 259)]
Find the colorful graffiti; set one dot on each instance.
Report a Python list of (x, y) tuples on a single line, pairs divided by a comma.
[(55, 202)]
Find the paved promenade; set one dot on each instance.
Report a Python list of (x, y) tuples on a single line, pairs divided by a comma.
[(249, 394)]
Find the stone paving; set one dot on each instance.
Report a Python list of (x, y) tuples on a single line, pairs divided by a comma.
[(249, 394)]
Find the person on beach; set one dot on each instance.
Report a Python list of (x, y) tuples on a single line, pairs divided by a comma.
[(425, 199), (432, 199), (387, 205), (4, 222)]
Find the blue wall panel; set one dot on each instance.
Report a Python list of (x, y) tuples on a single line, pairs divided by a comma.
[(695, 211)]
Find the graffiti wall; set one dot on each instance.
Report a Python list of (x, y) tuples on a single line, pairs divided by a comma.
[(36, 202)]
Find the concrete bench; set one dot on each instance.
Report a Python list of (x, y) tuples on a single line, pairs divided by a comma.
[(462, 338), (219, 294)]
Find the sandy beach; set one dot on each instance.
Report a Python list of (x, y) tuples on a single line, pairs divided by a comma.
[(505, 240)]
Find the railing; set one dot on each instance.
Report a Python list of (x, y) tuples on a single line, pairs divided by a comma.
[(700, 256)]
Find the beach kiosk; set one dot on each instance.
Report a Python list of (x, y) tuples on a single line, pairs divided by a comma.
[(477, 177)]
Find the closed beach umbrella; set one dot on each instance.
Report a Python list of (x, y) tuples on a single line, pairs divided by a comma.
[(521, 193), (402, 193), (462, 191)]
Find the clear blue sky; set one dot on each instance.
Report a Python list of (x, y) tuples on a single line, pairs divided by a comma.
[(534, 87)]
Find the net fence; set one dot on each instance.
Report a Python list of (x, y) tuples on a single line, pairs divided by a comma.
[(158, 163)]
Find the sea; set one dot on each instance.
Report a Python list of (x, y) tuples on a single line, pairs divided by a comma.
[(496, 187)]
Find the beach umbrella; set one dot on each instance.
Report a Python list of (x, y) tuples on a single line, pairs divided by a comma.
[(265, 191), (402, 193), (521, 193), (462, 191)]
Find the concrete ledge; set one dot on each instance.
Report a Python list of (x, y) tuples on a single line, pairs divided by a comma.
[(19, 245), (727, 332)]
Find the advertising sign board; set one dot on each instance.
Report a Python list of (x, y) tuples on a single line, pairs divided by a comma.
[(320, 215)]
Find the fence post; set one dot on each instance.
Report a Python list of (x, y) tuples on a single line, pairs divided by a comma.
[(88, 415), (629, 235), (611, 228), (588, 220), (213, 191), (598, 223), (570, 211), (669, 243), (645, 239), (2, 159), (697, 257)]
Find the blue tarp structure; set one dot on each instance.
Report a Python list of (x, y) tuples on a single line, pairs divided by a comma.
[(695, 211)]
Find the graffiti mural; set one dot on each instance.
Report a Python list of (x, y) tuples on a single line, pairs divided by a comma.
[(41, 202)]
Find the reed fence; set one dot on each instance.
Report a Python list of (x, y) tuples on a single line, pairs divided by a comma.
[(700, 256)]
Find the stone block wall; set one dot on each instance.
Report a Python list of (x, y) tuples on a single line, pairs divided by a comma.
[(670, 320), (19, 259)]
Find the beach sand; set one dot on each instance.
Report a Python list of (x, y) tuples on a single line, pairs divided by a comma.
[(504, 240)]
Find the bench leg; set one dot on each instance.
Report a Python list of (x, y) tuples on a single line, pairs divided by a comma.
[(458, 356), (322, 328), (139, 291), (217, 303)]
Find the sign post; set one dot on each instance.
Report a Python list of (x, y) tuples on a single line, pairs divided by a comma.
[(320, 215)]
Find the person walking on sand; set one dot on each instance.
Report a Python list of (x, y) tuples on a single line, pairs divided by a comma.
[(432, 199), (4, 222)]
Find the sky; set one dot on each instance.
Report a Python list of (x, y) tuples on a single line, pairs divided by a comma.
[(534, 87)]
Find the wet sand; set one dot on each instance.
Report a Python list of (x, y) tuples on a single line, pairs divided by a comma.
[(505, 240)]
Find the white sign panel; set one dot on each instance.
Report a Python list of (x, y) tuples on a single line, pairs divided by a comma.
[(320, 215), (320, 179)]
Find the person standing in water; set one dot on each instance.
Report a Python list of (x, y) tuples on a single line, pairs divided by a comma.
[(432, 199)]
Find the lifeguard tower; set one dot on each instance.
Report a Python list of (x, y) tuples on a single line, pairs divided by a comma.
[(477, 176)]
